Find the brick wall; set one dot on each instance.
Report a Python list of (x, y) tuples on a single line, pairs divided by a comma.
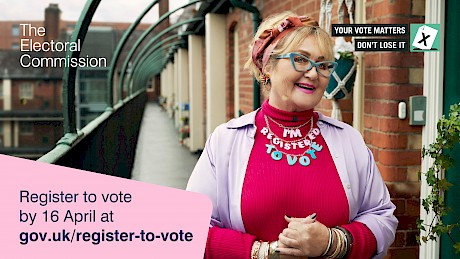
[(390, 78), (45, 134), (46, 96), (7, 39), (243, 21), (230, 85)]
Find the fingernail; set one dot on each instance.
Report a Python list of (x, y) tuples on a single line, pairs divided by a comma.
[(288, 216), (313, 216)]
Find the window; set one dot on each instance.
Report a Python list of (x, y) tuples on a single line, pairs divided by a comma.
[(15, 45), (26, 91), (15, 30), (26, 128)]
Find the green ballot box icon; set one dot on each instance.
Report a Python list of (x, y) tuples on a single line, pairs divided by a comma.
[(424, 37)]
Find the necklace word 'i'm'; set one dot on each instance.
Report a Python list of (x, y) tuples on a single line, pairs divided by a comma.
[(306, 141)]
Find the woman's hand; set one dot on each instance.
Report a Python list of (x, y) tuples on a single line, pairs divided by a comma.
[(303, 237), (283, 256)]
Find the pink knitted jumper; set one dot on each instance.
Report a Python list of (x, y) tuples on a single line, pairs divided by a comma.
[(279, 183)]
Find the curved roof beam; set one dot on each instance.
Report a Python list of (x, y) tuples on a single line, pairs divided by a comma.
[(70, 73), (117, 53), (143, 36)]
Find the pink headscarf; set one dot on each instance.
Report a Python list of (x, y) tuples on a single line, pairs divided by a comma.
[(268, 39)]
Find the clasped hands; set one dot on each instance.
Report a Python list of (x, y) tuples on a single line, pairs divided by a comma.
[(304, 237)]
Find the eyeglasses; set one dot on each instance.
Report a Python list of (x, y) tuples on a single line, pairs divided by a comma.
[(303, 64)]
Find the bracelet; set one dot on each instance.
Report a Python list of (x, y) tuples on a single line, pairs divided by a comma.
[(272, 250), (329, 244), (340, 244), (263, 252), (267, 251), (343, 250), (255, 250), (349, 238)]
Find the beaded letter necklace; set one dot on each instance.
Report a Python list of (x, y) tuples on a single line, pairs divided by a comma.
[(278, 146)]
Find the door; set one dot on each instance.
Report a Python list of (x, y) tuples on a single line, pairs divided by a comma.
[(451, 96)]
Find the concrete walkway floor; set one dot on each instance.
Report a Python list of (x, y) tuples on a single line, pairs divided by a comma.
[(160, 159)]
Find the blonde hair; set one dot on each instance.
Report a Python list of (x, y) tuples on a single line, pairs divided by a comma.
[(289, 42)]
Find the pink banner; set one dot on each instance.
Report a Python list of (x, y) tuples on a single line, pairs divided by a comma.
[(51, 212)]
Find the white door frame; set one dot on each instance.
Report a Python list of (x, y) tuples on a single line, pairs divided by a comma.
[(433, 77)]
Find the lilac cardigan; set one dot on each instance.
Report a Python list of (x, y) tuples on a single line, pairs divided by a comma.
[(220, 171)]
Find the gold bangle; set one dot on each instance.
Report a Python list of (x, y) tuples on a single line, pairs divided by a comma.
[(349, 238), (255, 250), (263, 252), (343, 250), (339, 245), (267, 251), (329, 244), (272, 250)]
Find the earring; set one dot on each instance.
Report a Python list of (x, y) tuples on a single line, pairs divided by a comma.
[(265, 79)]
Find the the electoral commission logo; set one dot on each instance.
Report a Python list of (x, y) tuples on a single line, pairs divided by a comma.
[(424, 37)]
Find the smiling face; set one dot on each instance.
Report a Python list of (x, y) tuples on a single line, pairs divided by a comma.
[(297, 91)]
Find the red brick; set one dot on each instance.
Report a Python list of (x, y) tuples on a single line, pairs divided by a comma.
[(407, 222), (389, 141), (372, 59), (368, 121), (400, 157), (413, 207), (387, 75), (400, 20), (392, 8), (367, 106), (393, 92), (346, 104), (411, 238), (380, 9), (400, 239), (371, 122), (400, 206), (368, 137), (400, 92), (369, 12), (404, 190), (397, 125), (46, 95), (347, 117), (402, 253), (375, 153), (392, 174), (384, 108), (401, 59)]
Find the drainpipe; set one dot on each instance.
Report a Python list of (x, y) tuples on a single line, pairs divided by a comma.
[(255, 22)]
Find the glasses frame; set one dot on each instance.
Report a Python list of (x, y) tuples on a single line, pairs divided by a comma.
[(292, 55)]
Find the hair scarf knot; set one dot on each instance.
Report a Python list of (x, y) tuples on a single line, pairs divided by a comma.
[(268, 39)]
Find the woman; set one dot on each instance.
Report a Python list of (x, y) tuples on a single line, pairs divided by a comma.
[(287, 182)]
